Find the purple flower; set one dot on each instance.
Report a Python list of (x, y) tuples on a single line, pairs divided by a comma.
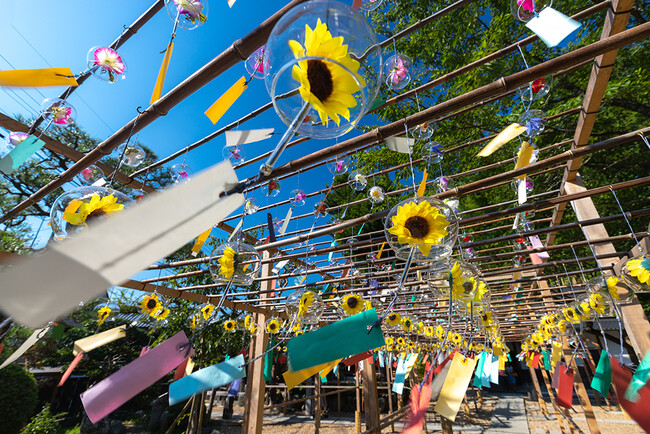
[(398, 71), (339, 165), (183, 174), (17, 138), (300, 196)]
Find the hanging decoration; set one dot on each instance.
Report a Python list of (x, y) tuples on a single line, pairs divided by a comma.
[(357, 180), (58, 112), (397, 70), (37, 77), (132, 154), (237, 262), (636, 273), (536, 89), (106, 64), (304, 307)]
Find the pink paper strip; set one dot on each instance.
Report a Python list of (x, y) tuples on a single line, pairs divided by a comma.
[(144, 351), (110, 393), (537, 244), (68, 371), (534, 257)]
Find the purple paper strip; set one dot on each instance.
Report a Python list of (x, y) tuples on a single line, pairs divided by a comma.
[(556, 375), (110, 393)]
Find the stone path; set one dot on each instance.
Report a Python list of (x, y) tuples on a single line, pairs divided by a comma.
[(509, 415)]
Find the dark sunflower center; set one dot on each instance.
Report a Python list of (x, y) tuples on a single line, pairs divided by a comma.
[(391, 317), (272, 326), (352, 302), (320, 79), (95, 214), (151, 304), (103, 314), (417, 226)]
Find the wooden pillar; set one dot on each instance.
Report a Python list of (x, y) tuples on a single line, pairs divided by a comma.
[(317, 404), (447, 427), (357, 413), (254, 409), (370, 395), (389, 387), (547, 381), (580, 389), (538, 391)]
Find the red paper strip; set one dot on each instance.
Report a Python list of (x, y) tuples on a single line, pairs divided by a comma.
[(357, 358), (419, 405), (68, 371), (180, 370), (439, 368), (621, 377), (356, 4), (565, 388), (535, 363)]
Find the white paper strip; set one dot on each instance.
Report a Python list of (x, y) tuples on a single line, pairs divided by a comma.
[(99, 183), (285, 223), (514, 225), (234, 138), (552, 26), (399, 144), (279, 266), (237, 229), (38, 333), (45, 287), (522, 196)]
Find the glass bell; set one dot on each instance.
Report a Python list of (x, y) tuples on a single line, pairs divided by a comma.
[(58, 111), (106, 311), (182, 172), (272, 189), (376, 195), (257, 64), (525, 10), (422, 131), (534, 121), (297, 197), (335, 86), (305, 306), (234, 154), (536, 89), (424, 224), (75, 209), (370, 5), (238, 262), (132, 154), (338, 166), (90, 175), (357, 180), (397, 70), (636, 273), (432, 152), (189, 14), (106, 64)]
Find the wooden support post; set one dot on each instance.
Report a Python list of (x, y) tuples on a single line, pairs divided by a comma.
[(547, 381), (254, 409), (317, 404), (538, 391), (357, 412), (370, 395), (580, 389), (338, 395), (447, 427), (389, 384)]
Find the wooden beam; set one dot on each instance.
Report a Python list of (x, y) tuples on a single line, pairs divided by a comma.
[(370, 395)]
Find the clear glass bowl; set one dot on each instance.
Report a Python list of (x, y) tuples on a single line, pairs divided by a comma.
[(424, 224), (525, 10), (236, 261), (291, 54), (75, 209), (636, 273), (312, 307), (190, 17), (106, 64)]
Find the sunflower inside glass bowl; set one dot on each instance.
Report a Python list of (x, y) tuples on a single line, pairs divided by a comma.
[(636, 272), (229, 325), (80, 212), (150, 304), (420, 225), (273, 326), (352, 304), (393, 319), (227, 262)]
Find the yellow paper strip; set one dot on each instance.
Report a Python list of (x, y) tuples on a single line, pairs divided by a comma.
[(502, 363), (95, 341), (327, 370), (381, 250), (556, 353), (523, 158), (226, 100), (410, 363), (423, 184), (189, 367), (511, 131), (38, 77), (451, 395), (160, 81), (294, 378), (200, 240)]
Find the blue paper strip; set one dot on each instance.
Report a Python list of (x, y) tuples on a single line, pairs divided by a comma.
[(207, 378), (400, 376), (21, 153)]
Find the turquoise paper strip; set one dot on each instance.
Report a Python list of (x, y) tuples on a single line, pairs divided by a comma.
[(603, 376), (547, 359), (339, 340), (400, 376), (479, 370), (639, 379), (207, 378), (20, 154)]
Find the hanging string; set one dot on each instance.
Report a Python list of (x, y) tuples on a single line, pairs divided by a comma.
[(415, 188), (126, 146), (626, 220), (280, 342)]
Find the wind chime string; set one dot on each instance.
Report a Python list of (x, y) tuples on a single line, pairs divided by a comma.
[(283, 340)]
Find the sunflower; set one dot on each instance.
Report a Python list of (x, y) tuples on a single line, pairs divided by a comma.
[(352, 304), (456, 338), (561, 325), (306, 300), (273, 326), (487, 319), (419, 224), (401, 342), (481, 290), (419, 327), (640, 268), (326, 85), (229, 325), (407, 324), (440, 332), (393, 319), (248, 322), (78, 212), (455, 275), (150, 304), (428, 331), (584, 310), (598, 303), (571, 315), (103, 314), (161, 314), (227, 262), (207, 311), (195, 320), (612, 281), (367, 304)]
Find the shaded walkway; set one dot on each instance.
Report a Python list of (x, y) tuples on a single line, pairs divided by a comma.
[(509, 415)]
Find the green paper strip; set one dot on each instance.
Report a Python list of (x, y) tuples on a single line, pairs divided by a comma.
[(21, 153), (547, 359), (603, 376), (479, 370), (268, 361), (639, 379), (379, 101), (335, 341)]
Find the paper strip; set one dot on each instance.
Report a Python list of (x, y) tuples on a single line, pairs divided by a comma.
[(456, 383), (522, 194), (237, 229), (552, 26), (439, 381), (603, 376), (225, 101), (565, 388), (479, 370), (181, 370), (160, 81), (68, 371), (236, 138), (269, 225), (21, 153), (523, 158), (381, 250), (110, 393), (509, 133), (423, 184), (356, 4), (207, 378), (37, 77), (285, 222), (639, 379), (399, 144), (555, 381), (400, 376), (556, 353), (294, 378), (357, 358), (335, 341), (268, 361), (537, 244), (547, 359), (279, 266), (89, 343), (330, 367), (144, 351), (638, 411), (115, 249), (200, 240), (29, 342), (410, 362)]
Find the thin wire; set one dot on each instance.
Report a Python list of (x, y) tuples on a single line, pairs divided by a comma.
[(626, 220)]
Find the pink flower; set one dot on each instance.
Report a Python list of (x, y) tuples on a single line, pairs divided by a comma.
[(398, 71), (339, 165), (87, 173), (191, 9), (236, 154), (61, 115), (526, 5), (16, 138), (184, 174), (300, 196), (108, 59)]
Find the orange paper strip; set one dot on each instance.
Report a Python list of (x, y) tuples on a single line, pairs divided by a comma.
[(160, 81), (423, 184), (200, 240), (37, 77), (226, 100), (511, 131), (523, 158)]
